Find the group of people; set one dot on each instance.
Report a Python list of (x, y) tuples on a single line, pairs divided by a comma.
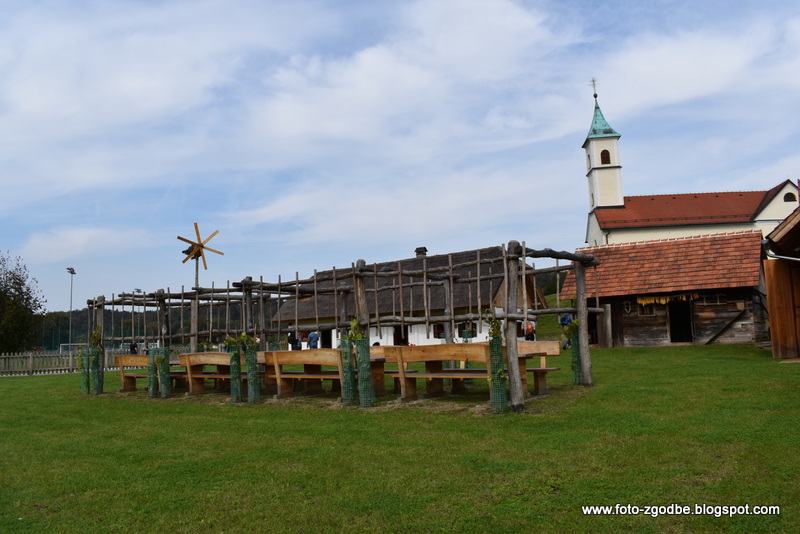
[(134, 347), (296, 340)]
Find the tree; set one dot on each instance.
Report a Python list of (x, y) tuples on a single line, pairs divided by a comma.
[(20, 301)]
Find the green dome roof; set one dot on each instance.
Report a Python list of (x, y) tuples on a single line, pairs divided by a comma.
[(600, 126)]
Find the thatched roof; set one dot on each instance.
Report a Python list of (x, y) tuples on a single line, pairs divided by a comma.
[(465, 294)]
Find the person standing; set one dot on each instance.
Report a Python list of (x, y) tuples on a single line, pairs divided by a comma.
[(313, 339), (530, 331)]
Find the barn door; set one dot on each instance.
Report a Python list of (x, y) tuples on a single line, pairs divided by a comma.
[(680, 321)]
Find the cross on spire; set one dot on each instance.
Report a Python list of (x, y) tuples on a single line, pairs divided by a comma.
[(593, 83)]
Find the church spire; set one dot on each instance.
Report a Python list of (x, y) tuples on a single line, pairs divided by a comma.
[(604, 170), (600, 127)]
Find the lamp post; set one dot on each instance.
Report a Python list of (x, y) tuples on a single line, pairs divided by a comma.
[(71, 272)]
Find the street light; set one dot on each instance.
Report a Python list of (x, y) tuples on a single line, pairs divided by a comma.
[(71, 272)]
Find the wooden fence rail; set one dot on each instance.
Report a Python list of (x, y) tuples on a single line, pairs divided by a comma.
[(38, 363), (52, 363)]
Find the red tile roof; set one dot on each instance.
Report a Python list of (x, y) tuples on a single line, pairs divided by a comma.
[(712, 261), (686, 208)]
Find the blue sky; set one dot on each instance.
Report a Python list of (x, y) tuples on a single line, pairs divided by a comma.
[(315, 133)]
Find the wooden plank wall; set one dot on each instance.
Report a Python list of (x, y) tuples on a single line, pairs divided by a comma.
[(783, 293)]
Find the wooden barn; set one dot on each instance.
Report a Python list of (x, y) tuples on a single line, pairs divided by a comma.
[(460, 283), (698, 289), (782, 272)]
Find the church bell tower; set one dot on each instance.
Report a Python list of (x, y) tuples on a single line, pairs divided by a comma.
[(604, 170)]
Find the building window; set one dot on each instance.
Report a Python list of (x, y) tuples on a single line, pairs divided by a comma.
[(789, 197), (713, 299), (605, 157), (438, 331), (647, 309), (466, 330)]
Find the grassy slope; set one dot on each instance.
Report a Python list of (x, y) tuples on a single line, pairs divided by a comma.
[(715, 425)]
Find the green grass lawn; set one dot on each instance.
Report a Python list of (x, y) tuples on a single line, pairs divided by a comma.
[(684, 425)]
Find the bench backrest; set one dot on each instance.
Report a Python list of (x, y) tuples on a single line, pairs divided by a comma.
[(387, 352), (131, 360), (206, 358), (466, 352), (539, 348), (304, 357)]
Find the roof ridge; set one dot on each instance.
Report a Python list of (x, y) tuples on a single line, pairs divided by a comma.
[(753, 191), (669, 239)]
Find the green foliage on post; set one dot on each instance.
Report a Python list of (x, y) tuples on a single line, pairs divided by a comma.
[(571, 334), (498, 380), (348, 374), (242, 341), (253, 382), (236, 376), (577, 370), (94, 350), (161, 359), (85, 372), (497, 385), (366, 390), (94, 364), (152, 374)]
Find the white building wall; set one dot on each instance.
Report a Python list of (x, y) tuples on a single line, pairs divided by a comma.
[(777, 210)]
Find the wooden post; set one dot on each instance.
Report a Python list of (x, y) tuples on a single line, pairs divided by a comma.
[(517, 400), (583, 323), (193, 320), (165, 334), (450, 305), (247, 311), (448, 301), (607, 325), (375, 298), (100, 322), (362, 312)]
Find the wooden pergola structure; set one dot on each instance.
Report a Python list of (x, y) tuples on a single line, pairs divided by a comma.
[(254, 306)]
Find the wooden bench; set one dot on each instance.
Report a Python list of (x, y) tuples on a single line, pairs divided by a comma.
[(379, 358), (434, 374), (197, 374), (543, 349), (434, 355), (312, 373), (133, 366), (529, 349)]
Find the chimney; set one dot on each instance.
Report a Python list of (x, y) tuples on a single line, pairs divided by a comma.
[(421, 252)]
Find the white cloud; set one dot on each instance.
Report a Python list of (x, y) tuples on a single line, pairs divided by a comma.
[(289, 124), (67, 243), (658, 70)]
